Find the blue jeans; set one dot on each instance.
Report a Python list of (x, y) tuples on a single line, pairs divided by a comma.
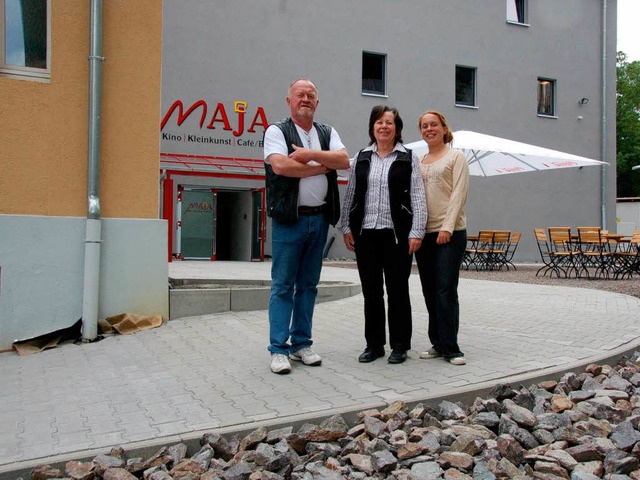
[(296, 252), (439, 267)]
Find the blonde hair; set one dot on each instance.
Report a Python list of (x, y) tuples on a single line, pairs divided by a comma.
[(448, 134)]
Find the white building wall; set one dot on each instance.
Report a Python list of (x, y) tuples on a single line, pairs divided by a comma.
[(628, 216), (42, 268)]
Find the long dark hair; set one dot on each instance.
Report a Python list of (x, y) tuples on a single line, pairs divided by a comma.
[(376, 113)]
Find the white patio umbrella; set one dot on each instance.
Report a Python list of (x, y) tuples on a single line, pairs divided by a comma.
[(489, 155)]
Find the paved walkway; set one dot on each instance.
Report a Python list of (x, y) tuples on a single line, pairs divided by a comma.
[(211, 372)]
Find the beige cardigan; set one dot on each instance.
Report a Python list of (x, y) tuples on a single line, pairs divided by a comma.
[(446, 183)]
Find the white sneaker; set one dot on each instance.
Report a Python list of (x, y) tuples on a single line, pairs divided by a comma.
[(431, 353), (457, 361), (280, 363), (306, 356)]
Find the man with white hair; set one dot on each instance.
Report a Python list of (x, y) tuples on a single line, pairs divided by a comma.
[(301, 158)]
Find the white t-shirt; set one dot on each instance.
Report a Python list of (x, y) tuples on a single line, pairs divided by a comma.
[(313, 190)]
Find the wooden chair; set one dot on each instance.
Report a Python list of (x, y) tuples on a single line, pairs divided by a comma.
[(479, 254), (547, 255), (514, 239), (594, 252), (628, 260), (469, 252), (498, 251), (564, 250)]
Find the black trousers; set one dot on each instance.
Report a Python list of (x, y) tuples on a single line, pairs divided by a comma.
[(439, 267), (383, 262)]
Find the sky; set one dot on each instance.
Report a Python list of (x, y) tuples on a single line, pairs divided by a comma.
[(628, 31)]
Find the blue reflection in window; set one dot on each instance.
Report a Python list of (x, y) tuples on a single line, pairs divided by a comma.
[(26, 33), (14, 33)]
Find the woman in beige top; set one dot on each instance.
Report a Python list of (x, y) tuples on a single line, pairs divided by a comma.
[(445, 174)]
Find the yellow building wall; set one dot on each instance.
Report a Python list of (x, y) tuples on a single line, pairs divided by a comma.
[(43, 126)]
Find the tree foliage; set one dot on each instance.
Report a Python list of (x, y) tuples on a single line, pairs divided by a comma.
[(628, 126)]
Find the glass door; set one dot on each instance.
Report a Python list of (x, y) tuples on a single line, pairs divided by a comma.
[(198, 224)]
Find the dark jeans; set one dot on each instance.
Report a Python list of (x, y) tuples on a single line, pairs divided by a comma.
[(383, 262), (439, 267)]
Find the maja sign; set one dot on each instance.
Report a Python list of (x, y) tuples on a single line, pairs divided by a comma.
[(219, 118), (199, 207)]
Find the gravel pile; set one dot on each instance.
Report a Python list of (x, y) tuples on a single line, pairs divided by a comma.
[(583, 426)]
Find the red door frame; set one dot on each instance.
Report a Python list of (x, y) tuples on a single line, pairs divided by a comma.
[(168, 202)]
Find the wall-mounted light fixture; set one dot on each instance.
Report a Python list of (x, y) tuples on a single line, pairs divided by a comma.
[(583, 101)]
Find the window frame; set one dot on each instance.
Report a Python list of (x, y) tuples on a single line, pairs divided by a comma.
[(554, 94), (19, 72), (525, 13), (383, 59), (474, 87)]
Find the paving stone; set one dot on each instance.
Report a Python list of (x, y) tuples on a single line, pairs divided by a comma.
[(187, 363)]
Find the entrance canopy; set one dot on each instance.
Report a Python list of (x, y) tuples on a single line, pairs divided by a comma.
[(213, 164)]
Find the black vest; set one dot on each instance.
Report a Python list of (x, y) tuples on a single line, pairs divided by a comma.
[(282, 192), (399, 181)]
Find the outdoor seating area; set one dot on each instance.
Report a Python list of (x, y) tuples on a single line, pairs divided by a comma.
[(491, 250), (587, 252)]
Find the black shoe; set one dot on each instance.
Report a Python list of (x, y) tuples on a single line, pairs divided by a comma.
[(369, 355), (397, 356)]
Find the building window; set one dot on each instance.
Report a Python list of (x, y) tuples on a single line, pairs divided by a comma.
[(25, 38), (373, 73), (546, 97), (517, 11), (465, 86)]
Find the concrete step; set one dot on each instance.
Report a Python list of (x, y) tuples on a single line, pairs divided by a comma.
[(190, 297)]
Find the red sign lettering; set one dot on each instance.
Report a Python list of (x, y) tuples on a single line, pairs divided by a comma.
[(565, 163), (224, 119), (219, 116), (263, 117), (183, 116)]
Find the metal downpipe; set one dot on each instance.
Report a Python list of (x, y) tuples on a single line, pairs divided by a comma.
[(603, 141), (93, 231)]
